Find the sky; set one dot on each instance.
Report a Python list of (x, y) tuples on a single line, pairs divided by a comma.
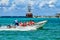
[(38, 7)]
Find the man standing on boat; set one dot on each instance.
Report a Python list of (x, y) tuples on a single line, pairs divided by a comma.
[(16, 23)]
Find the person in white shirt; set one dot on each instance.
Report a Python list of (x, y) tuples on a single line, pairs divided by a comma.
[(16, 23)]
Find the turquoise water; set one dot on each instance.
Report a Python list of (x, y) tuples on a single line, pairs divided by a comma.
[(50, 31)]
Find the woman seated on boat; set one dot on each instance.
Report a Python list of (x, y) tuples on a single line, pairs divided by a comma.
[(26, 23), (22, 24)]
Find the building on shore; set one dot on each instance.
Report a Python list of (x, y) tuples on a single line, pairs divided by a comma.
[(29, 13), (58, 15), (44, 17)]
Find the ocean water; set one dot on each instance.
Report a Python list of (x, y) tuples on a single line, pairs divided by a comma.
[(50, 31)]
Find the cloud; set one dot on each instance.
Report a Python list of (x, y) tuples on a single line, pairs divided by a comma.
[(31, 2), (5, 9), (51, 6), (4, 2), (12, 7), (40, 3), (51, 3), (19, 2), (14, 3)]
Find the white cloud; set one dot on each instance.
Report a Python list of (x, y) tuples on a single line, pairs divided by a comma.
[(22, 2), (51, 6), (4, 2), (14, 3), (12, 7), (40, 3), (51, 3), (31, 2), (19, 1), (5, 9)]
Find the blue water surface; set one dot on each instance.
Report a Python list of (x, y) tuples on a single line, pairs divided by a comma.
[(50, 31)]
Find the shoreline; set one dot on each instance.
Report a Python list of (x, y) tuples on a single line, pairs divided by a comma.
[(25, 17)]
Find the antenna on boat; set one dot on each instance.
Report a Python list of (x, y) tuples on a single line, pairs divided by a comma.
[(29, 13), (29, 7)]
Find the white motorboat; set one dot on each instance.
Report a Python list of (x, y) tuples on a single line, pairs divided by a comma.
[(25, 28)]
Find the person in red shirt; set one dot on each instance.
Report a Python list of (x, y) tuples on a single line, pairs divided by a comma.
[(20, 24), (33, 23), (24, 24), (30, 23)]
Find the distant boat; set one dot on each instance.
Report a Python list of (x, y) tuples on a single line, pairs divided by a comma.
[(25, 28)]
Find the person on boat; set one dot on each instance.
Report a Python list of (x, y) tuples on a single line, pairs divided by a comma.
[(9, 26), (30, 23), (16, 23), (24, 24), (20, 24)]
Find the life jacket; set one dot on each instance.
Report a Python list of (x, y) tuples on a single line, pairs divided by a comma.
[(30, 23), (33, 23), (22, 24)]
